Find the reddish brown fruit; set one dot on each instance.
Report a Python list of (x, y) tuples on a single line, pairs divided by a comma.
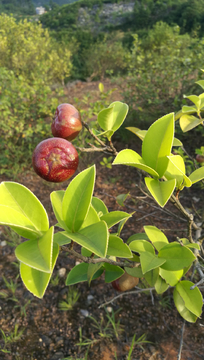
[(125, 282), (67, 122), (200, 158), (55, 159)]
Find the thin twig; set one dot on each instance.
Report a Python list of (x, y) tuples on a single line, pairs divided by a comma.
[(181, 341), (125, 293)]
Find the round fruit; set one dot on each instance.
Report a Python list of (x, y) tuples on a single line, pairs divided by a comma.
[(55, 159), (67, 122), (200, 158), (125, 282)]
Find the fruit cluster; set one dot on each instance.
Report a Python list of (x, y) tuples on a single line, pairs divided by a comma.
[(56, 159)]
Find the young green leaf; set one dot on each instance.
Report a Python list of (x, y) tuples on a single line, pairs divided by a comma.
[(139, 236), (171, 277), (20, 209), (141, 246), (92, 269), (92, 218), (160, 190), (114, 217), (182, 309), (192, 297), (150, 261), (188, 122), (160, 285), (197, 175), (157, 144), (56, 198), (112, 118), (77, 199), (37, 281), (116, 247), (176, 170), (37, 253), (156, 236), (177, 256), (99, 206)]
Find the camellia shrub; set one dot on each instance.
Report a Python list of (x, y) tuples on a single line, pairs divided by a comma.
[(85, 220)]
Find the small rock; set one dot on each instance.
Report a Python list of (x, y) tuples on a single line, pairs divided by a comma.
[(85, 313), (90, 299), (77, 263), (3, 243), (57, 356), (109, 309), (196, 199), (62, 272)]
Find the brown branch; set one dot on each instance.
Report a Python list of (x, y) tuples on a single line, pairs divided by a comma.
[(125, 293)]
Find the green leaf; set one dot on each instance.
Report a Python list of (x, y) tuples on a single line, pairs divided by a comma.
[(156, 236), (139, 236), (152, 276), (195, 99), (192, 297), (94, 238), (121, 198), (177, 142), (112, 272), (113, 117), (188, 122), (121, 225), (150, 261), (177, 256), (201, 83), (37, 281), (114, 217), (189, 245), (92, 217), (135, 271), (157, 144), (140, 133), (99, 206), (131, 158), (176, 170), (197, 175), (20, 209), (183, 311), (56, 198), (37, 253), (171, 277), (92, 269), (160, 285), (116, 247), (101, 87), (61, 238), (189, 109), (77, 199), (79, 274), (161, 191), (141, 246)]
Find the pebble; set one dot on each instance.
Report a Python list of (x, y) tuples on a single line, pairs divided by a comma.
[(57, 356), (3, 243), (62, 272), (109, 309), (85, 313), (90, 299)]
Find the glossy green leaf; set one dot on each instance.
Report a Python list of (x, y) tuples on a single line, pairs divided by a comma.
[(177, 142), (37, 253), (122, 224), (160, 190), (94, 238), (135, 271), (197, 175), (192, 297), (20, 209), (92, 217), (177, 256), (152, 276), (140, 133), (56, 198), (156, 236), (77, 199), (188, 122), (92, 270), (150, 261), (79, 274), (116, 247), (141, 246), (201, 83), (113, 117), (61, 238), (114, 217), (160, 285), (183, 311), (188, 109), (131, 158), (171, 277), (157, 144), (195, 99), (112, 272), (176, 170), (37, 281), (99, 206), (190, 245), (139, 236)]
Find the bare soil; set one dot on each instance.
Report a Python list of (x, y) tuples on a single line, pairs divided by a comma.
[(50, 333)]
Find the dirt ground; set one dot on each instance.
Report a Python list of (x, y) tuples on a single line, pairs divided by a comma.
[(51, 333)]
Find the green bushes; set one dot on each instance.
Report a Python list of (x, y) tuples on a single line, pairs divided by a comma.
[(160, 66)]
